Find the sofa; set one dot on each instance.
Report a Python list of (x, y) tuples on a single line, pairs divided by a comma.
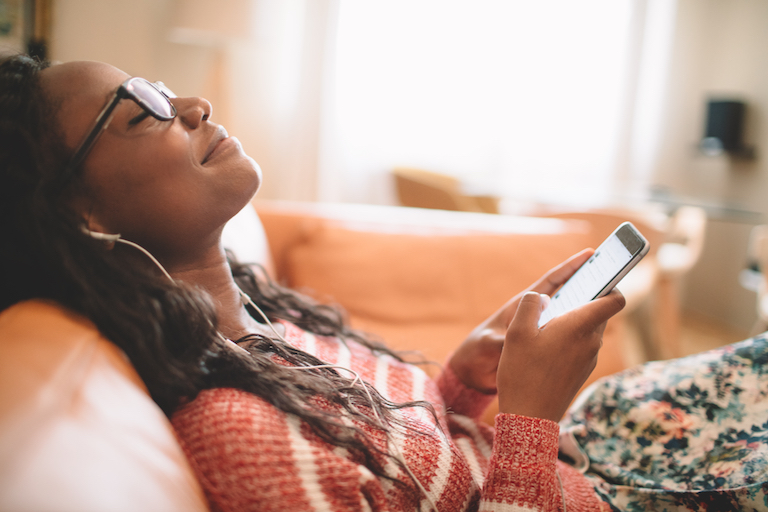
[(78, 430)]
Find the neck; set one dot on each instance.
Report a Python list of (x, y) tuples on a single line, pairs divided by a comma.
[(213, 274)]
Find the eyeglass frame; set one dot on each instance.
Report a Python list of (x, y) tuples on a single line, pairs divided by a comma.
[(107, 113)]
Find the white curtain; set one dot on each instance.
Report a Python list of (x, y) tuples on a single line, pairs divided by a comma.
[(276, 89), (552, 100)]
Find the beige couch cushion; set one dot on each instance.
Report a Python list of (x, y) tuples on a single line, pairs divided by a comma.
[(78, 430), (423, 290)]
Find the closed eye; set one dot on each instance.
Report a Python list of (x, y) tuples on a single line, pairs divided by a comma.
[(139, 118)]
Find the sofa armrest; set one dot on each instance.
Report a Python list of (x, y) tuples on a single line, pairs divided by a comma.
[(78, 430)]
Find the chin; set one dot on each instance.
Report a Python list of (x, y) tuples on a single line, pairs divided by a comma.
[(245, 184), (257, 177), (259, 174)]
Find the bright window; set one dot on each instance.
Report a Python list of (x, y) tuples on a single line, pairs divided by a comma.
[(522, 98)]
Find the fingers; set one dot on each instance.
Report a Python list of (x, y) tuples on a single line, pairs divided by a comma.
[(605, 307), (526, 319), (597, 312), (552, 280), (541, 370), (547, 284)]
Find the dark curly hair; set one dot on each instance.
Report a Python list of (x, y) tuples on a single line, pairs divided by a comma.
[(167, 330)]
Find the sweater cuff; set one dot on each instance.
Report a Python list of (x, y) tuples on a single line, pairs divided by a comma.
[(522, 438), (522, 469), (459, 398)]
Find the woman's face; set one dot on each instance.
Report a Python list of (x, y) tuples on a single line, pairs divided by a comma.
[(167, 185)]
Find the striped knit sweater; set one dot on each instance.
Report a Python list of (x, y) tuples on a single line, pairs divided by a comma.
[(248, 455)]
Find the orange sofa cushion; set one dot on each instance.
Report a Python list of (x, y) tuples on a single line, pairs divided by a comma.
[(426, 291)]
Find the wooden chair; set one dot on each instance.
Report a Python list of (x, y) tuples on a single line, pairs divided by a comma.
[(652, 289), (758, 253), (676, 256), (639, 286), (426, 189)]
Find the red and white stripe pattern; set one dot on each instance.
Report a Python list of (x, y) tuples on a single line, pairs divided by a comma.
[(248, 455)]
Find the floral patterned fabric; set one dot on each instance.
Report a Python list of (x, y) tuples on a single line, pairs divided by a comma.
[(685, 434)]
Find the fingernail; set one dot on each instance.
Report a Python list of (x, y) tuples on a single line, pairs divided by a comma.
[(545, 299)]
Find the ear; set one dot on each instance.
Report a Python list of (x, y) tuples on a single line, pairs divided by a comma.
[(107, 237), (94, 229), (91, 225)]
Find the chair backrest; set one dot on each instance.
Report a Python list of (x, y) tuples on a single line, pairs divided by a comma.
[(604, 221), (425, 189), (638, 284), (684, 241), (757, 252), (758, 246)]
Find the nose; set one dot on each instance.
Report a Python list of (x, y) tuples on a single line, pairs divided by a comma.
[(192, 111)]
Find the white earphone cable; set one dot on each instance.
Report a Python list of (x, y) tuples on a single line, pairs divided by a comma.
[(147, 253), (562, 489), (398, 454), (117, 238), (246, 299)]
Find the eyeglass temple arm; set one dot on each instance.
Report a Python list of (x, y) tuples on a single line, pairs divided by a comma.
[(101, 123)]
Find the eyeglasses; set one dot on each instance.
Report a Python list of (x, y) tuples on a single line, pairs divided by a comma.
[(154, 98)]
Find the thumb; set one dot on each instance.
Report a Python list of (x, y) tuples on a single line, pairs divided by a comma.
[(600, 310), (529, 310)]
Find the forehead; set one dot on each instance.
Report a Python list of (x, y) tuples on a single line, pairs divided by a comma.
[(80, 89)]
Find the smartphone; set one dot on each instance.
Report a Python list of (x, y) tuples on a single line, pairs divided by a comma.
[(616, 256)]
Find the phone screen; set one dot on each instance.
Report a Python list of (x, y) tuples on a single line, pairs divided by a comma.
[(594, 275)]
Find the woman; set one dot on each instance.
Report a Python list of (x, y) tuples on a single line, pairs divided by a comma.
[(113, 196)]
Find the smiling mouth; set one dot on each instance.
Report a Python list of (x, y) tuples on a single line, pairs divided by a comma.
[(218, 137)]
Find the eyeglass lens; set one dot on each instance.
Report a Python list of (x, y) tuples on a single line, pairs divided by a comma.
[(151, 97)]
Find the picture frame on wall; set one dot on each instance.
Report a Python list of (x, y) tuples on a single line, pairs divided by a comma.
[(24, 27)]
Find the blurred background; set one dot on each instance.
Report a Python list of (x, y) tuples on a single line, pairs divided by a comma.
[(547, 104)]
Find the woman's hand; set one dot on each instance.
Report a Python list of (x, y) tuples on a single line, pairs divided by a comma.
[(475, 362), (541, 370)]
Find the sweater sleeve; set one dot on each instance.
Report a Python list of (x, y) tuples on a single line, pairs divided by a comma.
[(525, 475), (522, 469), (459, 398), (249, 456)]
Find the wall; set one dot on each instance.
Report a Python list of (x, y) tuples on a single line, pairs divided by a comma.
[(132, 36), (719, 50)]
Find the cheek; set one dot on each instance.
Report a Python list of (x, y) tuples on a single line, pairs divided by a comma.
[(157, 192), (130, 189)]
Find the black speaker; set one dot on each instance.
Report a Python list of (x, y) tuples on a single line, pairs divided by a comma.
[(725, 123)]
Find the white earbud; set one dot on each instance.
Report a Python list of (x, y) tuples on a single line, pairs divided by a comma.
[(107, 237)]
